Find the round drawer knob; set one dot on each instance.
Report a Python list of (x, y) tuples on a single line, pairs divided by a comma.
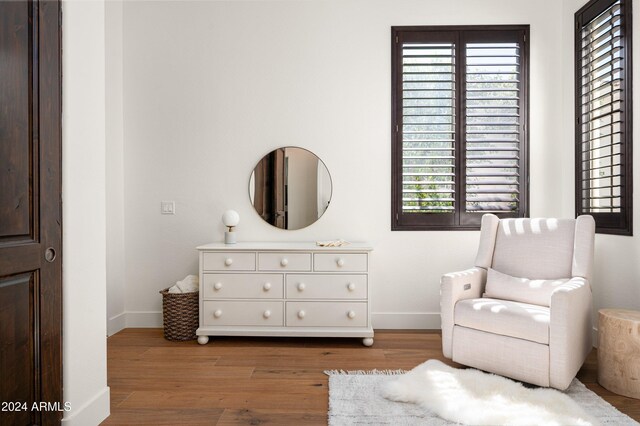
[(266, 314), (228, 261), (301, 314), (284, 262), (351, 314), (301, 286), (266, 286), (217, 286), (351, 286), (340, 262), (217, 313)]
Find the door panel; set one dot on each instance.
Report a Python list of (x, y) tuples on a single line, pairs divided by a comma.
[(30, 210), (17, 315), (16, 125)]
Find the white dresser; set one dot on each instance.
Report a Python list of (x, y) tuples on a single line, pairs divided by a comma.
[(284, 289)]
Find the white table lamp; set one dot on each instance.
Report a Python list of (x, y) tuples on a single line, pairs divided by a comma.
[(230, 218)]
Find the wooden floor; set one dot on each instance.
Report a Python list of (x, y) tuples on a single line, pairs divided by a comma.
[(255, 381)]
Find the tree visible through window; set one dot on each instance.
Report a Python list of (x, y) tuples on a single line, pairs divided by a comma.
[(459, 115), (603, 121)]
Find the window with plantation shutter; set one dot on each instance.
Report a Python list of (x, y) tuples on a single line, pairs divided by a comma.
[(603, 115), (459, 142)]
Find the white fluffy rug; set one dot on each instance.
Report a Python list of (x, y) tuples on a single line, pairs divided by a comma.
[(473, 397), (436, 394)]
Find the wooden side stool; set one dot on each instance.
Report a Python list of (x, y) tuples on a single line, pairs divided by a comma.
[(619, 351)]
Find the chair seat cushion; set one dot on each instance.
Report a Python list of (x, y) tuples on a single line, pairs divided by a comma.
[(504, 317), (537, 292)]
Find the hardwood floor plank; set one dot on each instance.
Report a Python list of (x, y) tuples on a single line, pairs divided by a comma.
[(190, 352), (125, 352), (286, 401), (311, 395), (346, 358), (142, 337), (272, 417), (289, 372), (236, 380), (167, 399), (164, 417), (169, 370), (118, 397)]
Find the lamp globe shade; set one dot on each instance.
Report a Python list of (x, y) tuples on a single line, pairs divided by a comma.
[(230, 218)]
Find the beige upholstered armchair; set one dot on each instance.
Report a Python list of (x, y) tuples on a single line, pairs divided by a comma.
[(524, 310)]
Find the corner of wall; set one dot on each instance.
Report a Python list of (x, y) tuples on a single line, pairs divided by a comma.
[(84, 213), (114, 150), (116, 323), (143, 319), (91, 413)]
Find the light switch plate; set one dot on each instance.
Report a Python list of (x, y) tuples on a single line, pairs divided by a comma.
[(167, 207)]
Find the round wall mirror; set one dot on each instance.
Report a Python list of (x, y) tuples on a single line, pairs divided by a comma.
[(290, 188)]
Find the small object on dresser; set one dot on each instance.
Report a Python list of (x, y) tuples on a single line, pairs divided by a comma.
[(230, 218), (180, 313), (332, 243)]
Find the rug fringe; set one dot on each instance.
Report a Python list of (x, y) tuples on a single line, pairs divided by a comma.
[(363, 372)]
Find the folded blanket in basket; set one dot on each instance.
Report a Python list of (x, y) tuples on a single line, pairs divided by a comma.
[(188, 284)]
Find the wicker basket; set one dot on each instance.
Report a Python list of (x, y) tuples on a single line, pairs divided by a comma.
[(180, 315)]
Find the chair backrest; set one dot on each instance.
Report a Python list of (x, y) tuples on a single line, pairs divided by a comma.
[(542, 248)]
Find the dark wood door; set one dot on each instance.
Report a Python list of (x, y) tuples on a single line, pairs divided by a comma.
[(279, 193), (30, 213), (269, 197)]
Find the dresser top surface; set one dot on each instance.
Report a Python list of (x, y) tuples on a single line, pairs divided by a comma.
[(284, 246)]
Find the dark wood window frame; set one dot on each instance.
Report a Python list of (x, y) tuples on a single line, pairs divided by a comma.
[(460, 35), (619, 223)]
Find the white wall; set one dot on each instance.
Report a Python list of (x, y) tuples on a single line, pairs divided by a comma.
[(115, 166), (210, 87), (616, 281), (83, 196)]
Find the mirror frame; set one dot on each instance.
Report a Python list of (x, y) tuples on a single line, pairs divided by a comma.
[(280, 212)]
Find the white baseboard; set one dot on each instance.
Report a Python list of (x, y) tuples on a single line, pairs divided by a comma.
[(116, 323), (380, 320), (91, 413), (136, 319), (406, 320), (143, 319)]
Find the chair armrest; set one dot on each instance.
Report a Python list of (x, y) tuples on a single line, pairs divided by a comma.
[(456, 286), (570, 331)]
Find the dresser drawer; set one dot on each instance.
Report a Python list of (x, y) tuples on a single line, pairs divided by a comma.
[(228, 261), (326, 314), (242, 313), (307, 286), (340, 262), (284, 261), (242, 286)]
